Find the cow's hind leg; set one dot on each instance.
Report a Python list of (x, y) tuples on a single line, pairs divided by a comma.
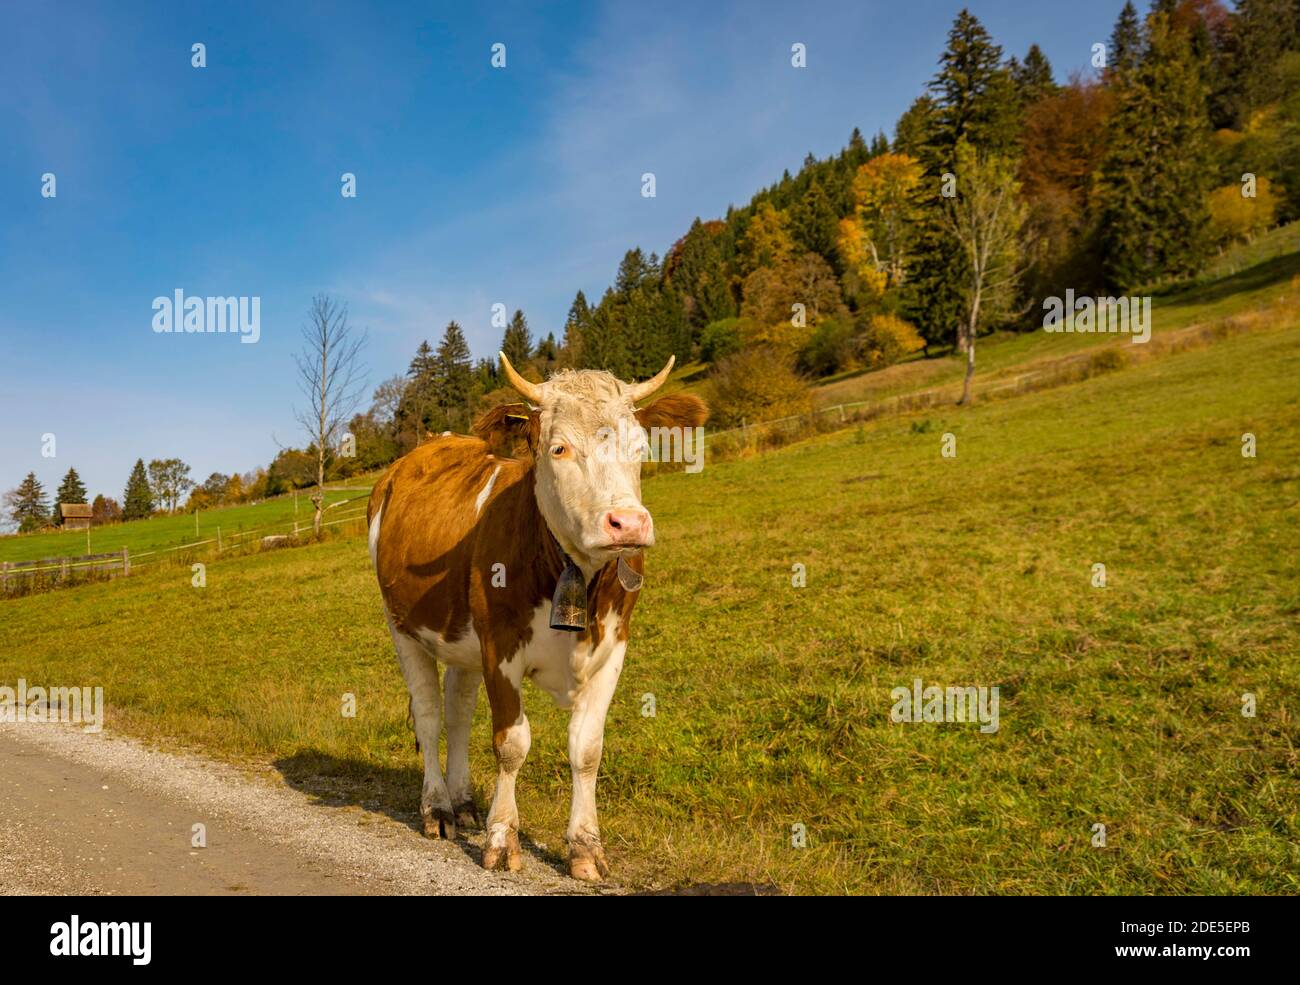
[(461, 687), (421, 673), (510, 740)]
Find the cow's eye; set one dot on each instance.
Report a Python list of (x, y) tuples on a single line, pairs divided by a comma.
[(559, 451)]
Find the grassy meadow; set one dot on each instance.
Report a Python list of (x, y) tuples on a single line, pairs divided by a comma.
[(158, 533), (1120, 705)]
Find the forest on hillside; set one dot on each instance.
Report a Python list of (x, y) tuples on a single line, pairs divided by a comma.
[(1182, 138), (1002, 186)]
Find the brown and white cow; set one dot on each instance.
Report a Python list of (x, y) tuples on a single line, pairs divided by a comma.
[(469, 547)]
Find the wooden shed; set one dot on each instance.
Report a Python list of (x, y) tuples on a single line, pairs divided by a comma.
[(75, 516)]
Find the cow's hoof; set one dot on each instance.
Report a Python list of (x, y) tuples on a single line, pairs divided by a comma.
[(439, 825), (494, 855), (467, 816), (587, 862)]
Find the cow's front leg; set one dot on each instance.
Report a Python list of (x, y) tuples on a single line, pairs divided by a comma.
[(586, 743), (510, 740)]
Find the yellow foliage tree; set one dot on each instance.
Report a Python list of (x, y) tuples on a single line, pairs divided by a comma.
[(855, 253), (885, 205), (889, 338), (767, 241), (756, 384), (783, 303), (1233, 216)]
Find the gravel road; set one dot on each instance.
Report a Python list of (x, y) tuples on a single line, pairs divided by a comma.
[(97, 814)]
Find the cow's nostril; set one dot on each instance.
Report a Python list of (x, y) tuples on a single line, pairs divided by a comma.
[(627, 526)]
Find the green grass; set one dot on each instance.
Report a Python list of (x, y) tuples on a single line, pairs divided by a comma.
[(1119, 705), (157, 533), (1248, 275)]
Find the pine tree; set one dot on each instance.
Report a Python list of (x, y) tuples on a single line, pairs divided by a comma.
[(71, 490), (916, 129), (424, 364), (813, 222), (1263, 31), (1033, 76), (517, 343), (973, 98), (974, 94), (575, 329), (1155, 174), (1126, 44), (27, 505), (454, 378), (138, 498)]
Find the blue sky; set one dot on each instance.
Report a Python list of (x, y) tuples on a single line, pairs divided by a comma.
[(475, 185)]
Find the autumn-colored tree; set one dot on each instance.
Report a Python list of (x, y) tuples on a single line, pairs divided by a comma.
[(104, 510), (1235, 216), (767, 240), (1057, 168), (756, 384), (784, 302), (888, 339), (885, 206)]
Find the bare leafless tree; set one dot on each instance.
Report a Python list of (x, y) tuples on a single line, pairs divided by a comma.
[(331, 378)]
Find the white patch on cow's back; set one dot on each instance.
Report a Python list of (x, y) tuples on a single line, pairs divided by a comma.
[(487, 491), (374, 538)]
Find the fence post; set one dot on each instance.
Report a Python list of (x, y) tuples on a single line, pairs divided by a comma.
[(126, 562), (63, 569), (4, 572), (841, 413), (218, 540)]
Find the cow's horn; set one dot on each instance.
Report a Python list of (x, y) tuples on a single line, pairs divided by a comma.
[(531, 391), (639, 391)]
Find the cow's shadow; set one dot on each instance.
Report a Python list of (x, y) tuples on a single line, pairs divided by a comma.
[(393, 791)]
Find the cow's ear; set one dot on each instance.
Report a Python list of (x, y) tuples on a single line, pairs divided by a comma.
[(679, 410), (502, 426)]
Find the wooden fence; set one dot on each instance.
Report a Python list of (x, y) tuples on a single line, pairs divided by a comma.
[(62, 568)]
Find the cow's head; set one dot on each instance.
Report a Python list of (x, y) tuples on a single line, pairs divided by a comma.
[(587, 438)]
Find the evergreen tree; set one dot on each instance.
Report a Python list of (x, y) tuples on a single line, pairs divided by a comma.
[(1263, 32), (71, 490), (425, 363), (1033, 76), (1155, 174), (813, 222), (417, 410), (546, 349), (454, 378), (517, 343), (974, 94), (1126, 44), (916, 129), (576, 327), (27, 505), (138, 499)]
